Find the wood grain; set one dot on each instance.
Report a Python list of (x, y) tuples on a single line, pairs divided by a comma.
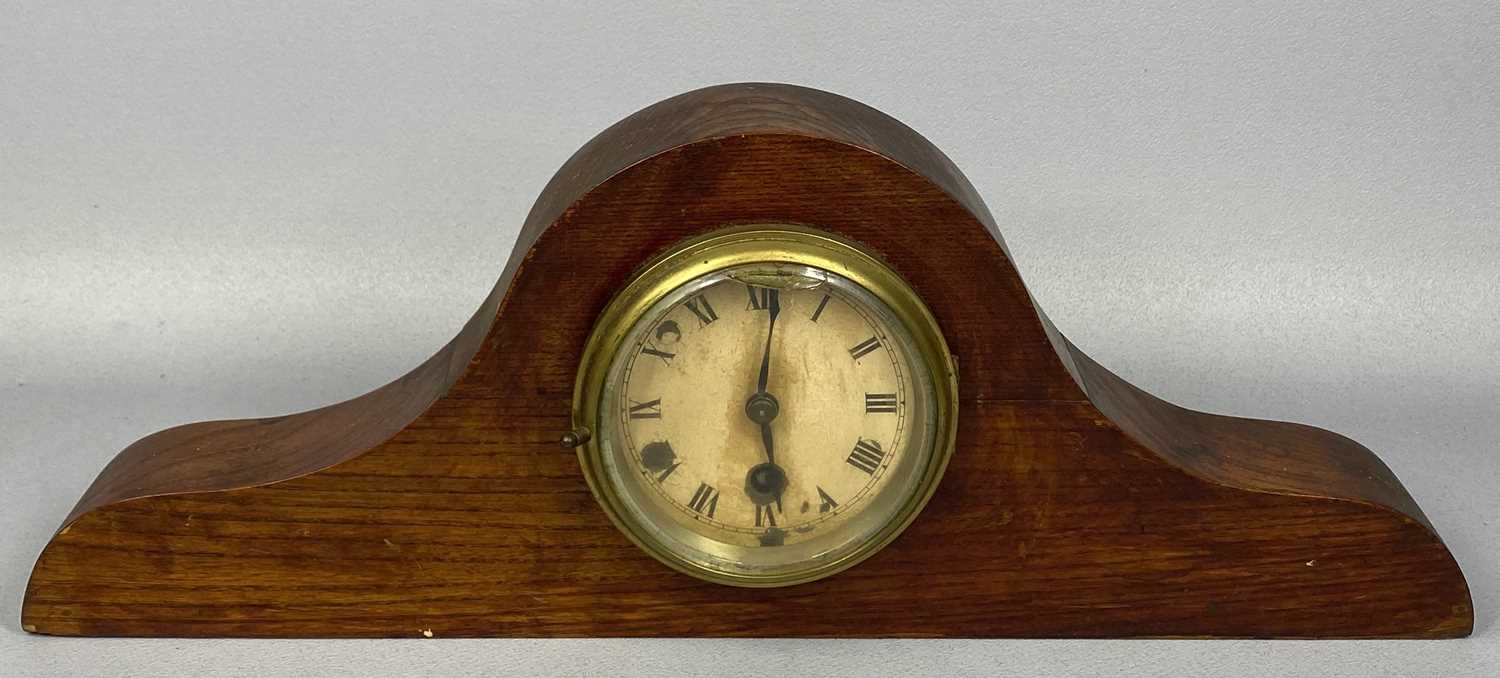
[(441, 504)]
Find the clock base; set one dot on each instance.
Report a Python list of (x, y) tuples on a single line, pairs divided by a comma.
[(441, 505)]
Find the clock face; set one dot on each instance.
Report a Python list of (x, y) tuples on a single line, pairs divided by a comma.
[(769, 422)]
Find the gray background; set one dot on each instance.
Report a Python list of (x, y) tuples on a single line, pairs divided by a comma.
[(1290, 210)]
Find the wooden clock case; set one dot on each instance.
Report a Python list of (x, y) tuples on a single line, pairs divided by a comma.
[(440, 505)]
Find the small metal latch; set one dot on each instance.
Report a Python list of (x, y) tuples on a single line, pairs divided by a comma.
[(575, 437)]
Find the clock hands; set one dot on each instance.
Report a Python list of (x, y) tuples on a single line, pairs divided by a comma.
[(765, 482)]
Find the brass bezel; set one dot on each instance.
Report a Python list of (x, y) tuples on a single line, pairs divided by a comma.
[(764, 243)]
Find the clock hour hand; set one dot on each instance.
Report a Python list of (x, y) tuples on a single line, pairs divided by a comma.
[(768, 441)]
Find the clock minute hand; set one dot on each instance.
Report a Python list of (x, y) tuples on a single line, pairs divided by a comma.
[(774, 307)]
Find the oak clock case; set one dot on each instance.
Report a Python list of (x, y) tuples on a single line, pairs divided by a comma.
[(1072, 504), (758, 419)]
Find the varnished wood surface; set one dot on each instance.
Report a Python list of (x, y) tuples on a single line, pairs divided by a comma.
[(442, 504)]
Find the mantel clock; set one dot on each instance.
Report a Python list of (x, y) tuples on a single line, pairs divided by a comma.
[(800, 390)]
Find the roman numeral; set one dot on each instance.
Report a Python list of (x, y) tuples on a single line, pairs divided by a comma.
[(700, 307), (828, 502), (765, 516), (762, 298), (659, 457), (668, 329), (866, 456), (821, 305), (650, 409), (705, 500), (879, 402), (864, 347), (665, 357)]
